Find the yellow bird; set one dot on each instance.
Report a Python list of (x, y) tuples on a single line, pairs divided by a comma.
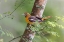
[(31, 19)]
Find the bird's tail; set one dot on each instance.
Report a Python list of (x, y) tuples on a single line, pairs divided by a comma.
[(46, 18)]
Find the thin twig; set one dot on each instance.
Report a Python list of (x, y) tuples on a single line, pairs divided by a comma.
[(15, 38), (13, 10)]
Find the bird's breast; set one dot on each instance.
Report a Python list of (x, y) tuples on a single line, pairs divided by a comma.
[(27, 20)]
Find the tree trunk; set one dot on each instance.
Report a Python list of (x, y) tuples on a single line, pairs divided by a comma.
[(37, 11)]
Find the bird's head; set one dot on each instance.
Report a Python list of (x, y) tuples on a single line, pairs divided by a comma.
[(26, 14)]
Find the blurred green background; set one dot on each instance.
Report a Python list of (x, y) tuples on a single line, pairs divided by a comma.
[(14, 25)]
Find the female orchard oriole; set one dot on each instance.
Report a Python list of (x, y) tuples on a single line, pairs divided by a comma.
[(31, 19)]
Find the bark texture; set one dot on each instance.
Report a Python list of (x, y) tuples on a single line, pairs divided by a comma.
[(38, 9)]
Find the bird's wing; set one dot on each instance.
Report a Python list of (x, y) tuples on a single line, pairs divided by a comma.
[(39, 19), (32, 19)]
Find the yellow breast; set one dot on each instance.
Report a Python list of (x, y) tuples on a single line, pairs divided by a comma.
[(27, 20)]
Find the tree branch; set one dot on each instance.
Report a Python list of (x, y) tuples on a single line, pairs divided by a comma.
[(37, 11), (38, 8)]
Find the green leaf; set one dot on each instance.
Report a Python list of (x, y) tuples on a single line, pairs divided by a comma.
[(8, 12), (61, 18), (1, 15), (3, 33), (9, 34), (52, 24), (61, 26), (5, 13), (53, 33)]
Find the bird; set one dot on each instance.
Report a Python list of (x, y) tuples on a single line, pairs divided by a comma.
[(31, 19)]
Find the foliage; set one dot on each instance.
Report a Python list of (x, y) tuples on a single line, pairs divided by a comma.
[(47, 28), (60, 18), (6, 32)]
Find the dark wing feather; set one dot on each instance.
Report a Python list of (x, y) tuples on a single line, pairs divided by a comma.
[(39, 19), (32, 19)]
